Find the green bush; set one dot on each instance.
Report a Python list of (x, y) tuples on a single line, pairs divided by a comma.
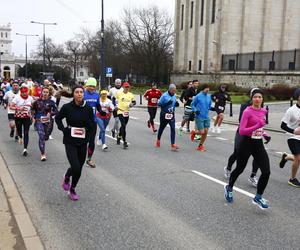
[(280, 91)]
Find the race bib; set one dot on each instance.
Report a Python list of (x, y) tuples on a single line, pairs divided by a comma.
[(257, 134), (221, 108), (126, 114), (78, 132), (45, 119), (168, 116), (154, 100)]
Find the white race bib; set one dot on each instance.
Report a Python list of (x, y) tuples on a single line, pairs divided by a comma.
[(257, 134), (78, 132), (45, 119), (154, 100), (126, 114), (221, 108), (168, 116)]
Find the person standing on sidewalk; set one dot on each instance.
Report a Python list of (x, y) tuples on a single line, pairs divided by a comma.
[(152, 96), (291, 123), (201, 105), (79, 117), (168, 103)]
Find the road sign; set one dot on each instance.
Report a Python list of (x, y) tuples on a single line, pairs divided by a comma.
[(109, 71)]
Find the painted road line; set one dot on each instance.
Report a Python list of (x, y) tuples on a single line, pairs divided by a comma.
[(223, 183), (134, 118), (221, 139), (280, 153), (115, 139)]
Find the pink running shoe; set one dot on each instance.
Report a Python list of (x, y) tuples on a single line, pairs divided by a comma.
[(66, 184), (72, 194)]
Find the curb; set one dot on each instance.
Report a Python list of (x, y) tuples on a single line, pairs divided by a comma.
[(19, 212)]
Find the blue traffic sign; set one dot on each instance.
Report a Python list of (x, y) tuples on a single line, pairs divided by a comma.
[(109, 71)]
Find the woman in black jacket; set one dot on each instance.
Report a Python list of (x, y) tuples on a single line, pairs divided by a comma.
[(79, 118)]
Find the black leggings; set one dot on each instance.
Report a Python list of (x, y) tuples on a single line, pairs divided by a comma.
[(20, 124), (233, 157), (163, 125), (76, 156), (255, 148), (91, 146), (152, 113), (123, 121)]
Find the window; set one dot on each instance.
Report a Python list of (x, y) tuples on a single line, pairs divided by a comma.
[(6, 34), (182, 16), (291, 65), (231, 65), (200, 65), (202, 13), (252, 65), (271, 65), (81, 74), (1, 34), (192, 14), (213, 11), (190, 65)]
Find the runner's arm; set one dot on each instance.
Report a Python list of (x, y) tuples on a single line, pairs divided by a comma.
[(59, 117), (285, 127)]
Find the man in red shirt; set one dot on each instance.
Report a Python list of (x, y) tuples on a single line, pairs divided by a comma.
[(152, 95)]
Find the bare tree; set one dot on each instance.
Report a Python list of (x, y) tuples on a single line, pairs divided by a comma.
[(52, 51), (73, 54)]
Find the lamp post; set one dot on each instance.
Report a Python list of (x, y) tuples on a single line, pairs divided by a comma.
[(44, 41), (102, 50), (26, 35), (1, 53)]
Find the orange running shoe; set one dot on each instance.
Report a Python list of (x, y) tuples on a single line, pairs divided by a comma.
[(157, 144), (193, 134), (174, 147), (201, 148)]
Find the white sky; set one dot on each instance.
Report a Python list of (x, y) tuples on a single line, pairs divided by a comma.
[(70, 15)]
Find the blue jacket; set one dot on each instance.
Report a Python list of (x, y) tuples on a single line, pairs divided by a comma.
[(167, 103), (201, 105), (93, 100)]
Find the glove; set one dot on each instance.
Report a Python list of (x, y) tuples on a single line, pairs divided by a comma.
[(267, 139), (197, 112), (176, 104), (102, 113)]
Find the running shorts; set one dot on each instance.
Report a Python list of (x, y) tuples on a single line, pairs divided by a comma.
[(294, 146), (11, 117), (202, 123)]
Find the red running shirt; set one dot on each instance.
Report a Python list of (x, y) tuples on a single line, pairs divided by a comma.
[(152, 97)]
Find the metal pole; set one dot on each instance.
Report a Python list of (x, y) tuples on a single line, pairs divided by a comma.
[(231, 112), (267, 115), (291, 102), (1, 53), (26, 68), (44, 50), (102, 52)]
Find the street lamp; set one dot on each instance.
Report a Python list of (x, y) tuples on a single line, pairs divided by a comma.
[(44, 41), (102, 50), (1, 53), (26, 35)]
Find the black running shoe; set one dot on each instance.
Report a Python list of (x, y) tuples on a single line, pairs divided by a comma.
[(125, 145), (12, 133), (283, 160), (25, 153), (118, 140), (113, 133), (294, 182), (16, 138)]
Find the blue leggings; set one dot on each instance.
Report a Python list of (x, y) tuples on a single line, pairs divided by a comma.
[(44, 130), (163, 123), (102, 124)]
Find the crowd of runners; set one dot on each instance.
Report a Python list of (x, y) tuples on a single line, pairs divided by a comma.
[(29, 104)]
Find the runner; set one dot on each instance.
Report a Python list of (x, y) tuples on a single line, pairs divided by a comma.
[(290, 123), (201, 106), (113, 94), (22, 105), (80, 121), (43, 110), (92, 99), (220, 98), (103, 117), (152, 96), (124, 101), (251, 128), (2, 93), (35, 91), (168, 103), (188, 114), (233, 157), (8, 98)]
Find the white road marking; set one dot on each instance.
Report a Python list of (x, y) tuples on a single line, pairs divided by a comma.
[(134, 118), (223, 183), (221, 139), (280, 153)]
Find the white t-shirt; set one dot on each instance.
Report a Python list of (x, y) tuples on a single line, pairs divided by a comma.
[(114, 91), (23, 106), (9, 96), (292, 119), (107, 106)]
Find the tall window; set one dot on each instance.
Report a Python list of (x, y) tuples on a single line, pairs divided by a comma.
[(202, 13), (190, 65), (192, 14), (1, 34), (6, 34), (182, 16), (213, 11), (200, 65)]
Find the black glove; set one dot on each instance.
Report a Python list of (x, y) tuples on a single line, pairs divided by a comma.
[(267, 139), (66, 131), (177, 104), (102, 113)]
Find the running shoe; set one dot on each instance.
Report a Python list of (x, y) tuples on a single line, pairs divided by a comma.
[(66, 183), (227, 173), (198, 137), (98, 142), (228, 194), (154, 130), (201, 148), (125, 145), (294, 183), (20, 141), (148, 124), (180, 131), (11, 134), (174, 147), (218, 130), (25, 153), (260, 202), (43, 158), (113, 133), (253, 181), (118, 140), (72, 194), (16, 138), (104, 147), (213, 129), (50, 137), (283, 160), (90, 163), (188, 131), (157, 144), (193, 134)]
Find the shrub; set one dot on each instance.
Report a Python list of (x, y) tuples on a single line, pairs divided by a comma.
[(281, 91)]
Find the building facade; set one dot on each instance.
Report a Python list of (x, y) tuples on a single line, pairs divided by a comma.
[(216, 39)]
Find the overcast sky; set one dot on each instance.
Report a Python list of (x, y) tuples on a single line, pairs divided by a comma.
[(70, 15)]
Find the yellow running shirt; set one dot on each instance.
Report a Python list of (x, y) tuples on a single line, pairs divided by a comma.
[(123, 102)]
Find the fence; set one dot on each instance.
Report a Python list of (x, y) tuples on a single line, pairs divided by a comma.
[(288, 60)]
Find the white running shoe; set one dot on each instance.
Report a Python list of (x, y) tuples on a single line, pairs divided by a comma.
[(213, 129), (98, 143), (104, 146), (25, 153), (227, 173), (218, 130), (253, 181), (50, 137)]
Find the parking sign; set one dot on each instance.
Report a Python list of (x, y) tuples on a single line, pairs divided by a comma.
[(109, 71)]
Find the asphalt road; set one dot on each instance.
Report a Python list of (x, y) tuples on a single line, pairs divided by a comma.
[(149, 198)]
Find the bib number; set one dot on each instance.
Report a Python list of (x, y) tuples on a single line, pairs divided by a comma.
[(45, 119), (221, 108), (154, 100), (168, 116), (257, 134), (126, 114), (78, 132)]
